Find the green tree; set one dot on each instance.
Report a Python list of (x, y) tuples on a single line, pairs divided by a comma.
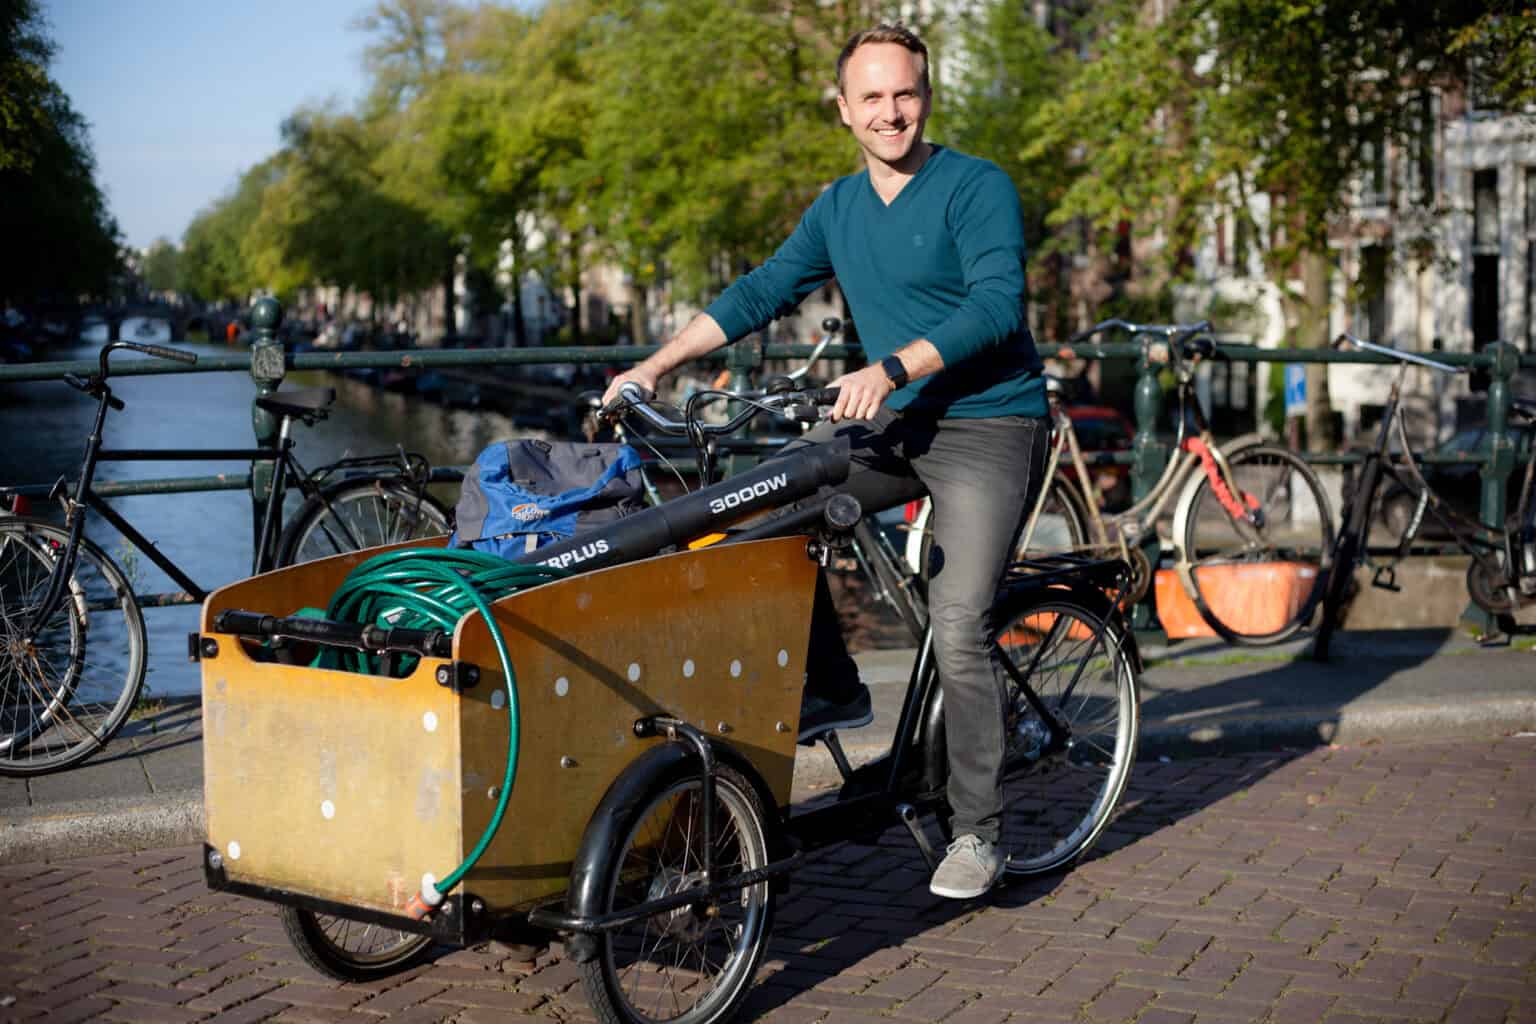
[(1185, 117), (217, 262), (61, 241), (161, 269)]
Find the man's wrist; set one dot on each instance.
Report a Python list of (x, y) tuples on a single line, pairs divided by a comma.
[(895, 372)]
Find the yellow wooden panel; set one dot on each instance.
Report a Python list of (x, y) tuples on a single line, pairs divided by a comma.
[(716, 636), (333, 784), (712, 636)]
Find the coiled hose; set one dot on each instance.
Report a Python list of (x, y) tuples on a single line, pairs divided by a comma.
[(423, 588)]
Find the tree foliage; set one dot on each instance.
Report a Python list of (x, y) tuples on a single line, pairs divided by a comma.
[(61, 241)]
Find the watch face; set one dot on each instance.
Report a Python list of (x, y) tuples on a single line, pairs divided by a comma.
[(894, 371)]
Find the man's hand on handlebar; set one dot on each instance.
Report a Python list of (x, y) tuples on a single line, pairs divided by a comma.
[(860, 394), (635, 375)]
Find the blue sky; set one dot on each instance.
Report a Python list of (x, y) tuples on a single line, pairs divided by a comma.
[(184, 95)]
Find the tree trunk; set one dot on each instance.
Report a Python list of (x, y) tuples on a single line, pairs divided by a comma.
[(1312, 332), (448, 298), (576, 332), (637, 314), (519, 322)]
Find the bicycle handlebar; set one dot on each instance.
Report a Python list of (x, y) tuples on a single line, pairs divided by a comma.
[(1170, 331), (158, 351), (798, 404), (1407, 357)]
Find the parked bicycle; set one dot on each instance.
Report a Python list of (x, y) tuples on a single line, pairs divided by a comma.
[(1502, 572), (1252, 529), (665, 894), (73, 656)]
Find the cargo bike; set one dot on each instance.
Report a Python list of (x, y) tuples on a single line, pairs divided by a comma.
[(652, 724)]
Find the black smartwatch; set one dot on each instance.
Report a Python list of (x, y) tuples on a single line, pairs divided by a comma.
[(894, 372)]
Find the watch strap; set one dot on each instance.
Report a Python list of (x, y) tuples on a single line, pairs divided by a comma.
[(895, 372)]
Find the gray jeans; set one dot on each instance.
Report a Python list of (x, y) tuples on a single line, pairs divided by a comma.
[(982, 475)]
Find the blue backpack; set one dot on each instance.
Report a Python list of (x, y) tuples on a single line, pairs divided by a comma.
[(521, 495)]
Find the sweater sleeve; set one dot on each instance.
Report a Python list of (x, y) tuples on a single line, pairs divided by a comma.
[(801, 265), (988, 225)]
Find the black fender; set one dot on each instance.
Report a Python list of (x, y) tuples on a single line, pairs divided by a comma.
[(931, 719), (600, 843)]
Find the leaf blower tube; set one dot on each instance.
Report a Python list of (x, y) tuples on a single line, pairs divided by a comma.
[(771, 485)]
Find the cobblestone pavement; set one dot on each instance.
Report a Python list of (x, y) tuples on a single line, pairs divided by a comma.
[(1338, 885)]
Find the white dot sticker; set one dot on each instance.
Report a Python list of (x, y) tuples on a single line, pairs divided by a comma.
[(562, 686), (634, 671), (498, 699), (783, 657), (687, 668), (327, 810), (429, 721), (234, 850), (735, 668)]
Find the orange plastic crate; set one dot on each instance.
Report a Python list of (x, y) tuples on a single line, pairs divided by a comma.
[(1254, 598)]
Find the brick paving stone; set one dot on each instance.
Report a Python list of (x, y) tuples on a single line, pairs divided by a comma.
[(1368, 883)]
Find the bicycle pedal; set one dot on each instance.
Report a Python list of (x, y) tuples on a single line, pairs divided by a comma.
[(1386, 578)]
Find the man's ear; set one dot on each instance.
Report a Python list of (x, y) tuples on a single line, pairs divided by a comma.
[(842, 109)]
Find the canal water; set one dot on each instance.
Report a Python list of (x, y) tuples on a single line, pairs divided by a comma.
[(44, 426)]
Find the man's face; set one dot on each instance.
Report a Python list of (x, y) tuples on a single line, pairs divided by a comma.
[(883, 100)]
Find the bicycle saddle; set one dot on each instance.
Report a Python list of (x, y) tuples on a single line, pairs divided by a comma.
[(308, 404)]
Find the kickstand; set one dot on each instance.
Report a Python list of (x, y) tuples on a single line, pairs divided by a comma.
[(908, 815), (838, 757)]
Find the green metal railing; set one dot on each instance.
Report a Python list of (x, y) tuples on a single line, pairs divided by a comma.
[(268, 363)]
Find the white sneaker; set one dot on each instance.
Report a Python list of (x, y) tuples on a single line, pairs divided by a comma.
[(970, 868)]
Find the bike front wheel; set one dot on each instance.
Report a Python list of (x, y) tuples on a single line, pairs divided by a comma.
[(70, 681), (1258, 558), (355, 514), (692, 964)]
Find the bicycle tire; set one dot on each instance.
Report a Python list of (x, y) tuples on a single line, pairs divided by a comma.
[(909, 604), (1297, 529), (359, 513), (1058, 803), (348, 950), (1346, 554), (1062, 526), (67, 686), (653, 959)]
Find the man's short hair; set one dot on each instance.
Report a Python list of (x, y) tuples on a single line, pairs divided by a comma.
[(898, 34)]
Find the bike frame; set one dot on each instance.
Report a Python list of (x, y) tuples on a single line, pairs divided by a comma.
[(1141, 518)]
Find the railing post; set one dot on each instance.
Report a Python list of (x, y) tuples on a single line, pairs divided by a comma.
[(267, 369), (1503, 360), (1149, 457)]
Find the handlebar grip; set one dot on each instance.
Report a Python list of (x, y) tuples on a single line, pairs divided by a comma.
[(823, 396), (161, 352), (1342, 341)]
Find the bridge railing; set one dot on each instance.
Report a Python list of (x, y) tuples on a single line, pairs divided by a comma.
[(268, 363)]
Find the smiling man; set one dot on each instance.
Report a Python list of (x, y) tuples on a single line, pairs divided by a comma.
[(927, 245)]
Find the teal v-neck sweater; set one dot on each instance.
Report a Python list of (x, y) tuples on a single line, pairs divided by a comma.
[(944, 261)]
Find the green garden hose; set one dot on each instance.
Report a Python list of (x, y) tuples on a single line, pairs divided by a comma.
[(423, 588)]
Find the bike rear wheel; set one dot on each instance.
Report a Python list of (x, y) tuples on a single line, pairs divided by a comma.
[(1058, 802), (362, 513), (69, 683), (348, 950), (1283, 560)]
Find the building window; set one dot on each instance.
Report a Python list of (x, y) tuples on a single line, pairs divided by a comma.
[(1372, 285), (1424, 149), (1530, 259), (1373, 166), (1485, 257)]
